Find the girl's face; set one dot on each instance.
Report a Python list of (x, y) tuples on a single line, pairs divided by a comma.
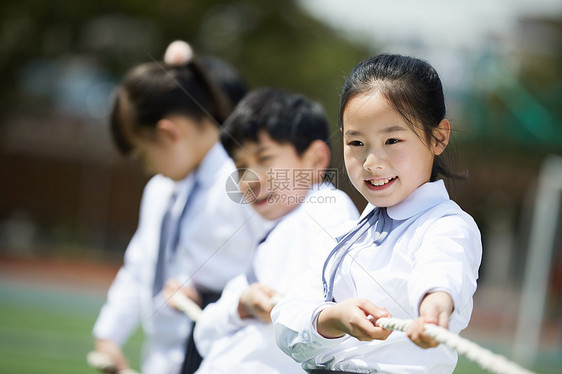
[(174, 148), (385, 158), (154, 153)]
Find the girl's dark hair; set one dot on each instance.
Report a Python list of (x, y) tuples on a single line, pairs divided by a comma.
[(153, 90), (413, 88), (227, 77), (286, 118)]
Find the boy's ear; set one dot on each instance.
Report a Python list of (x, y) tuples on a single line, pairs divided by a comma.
[(168, 129), (317, 155), (441, 137)]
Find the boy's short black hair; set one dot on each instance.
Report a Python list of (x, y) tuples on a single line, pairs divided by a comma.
[(286, 118)]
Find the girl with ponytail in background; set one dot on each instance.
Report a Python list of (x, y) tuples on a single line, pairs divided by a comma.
[(168, 116)]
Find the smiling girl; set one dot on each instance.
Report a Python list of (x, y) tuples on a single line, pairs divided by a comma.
[(413, 255)]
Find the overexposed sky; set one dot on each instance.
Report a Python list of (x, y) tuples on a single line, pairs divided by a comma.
[(450, 34), (457, 24)]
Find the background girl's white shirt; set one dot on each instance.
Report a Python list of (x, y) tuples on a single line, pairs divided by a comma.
[(434, 246), (298, 244), (216, 242)]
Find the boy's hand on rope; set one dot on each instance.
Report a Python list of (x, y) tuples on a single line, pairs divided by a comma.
[(435, 308), (255, 302), (355, 317), (172, 286)]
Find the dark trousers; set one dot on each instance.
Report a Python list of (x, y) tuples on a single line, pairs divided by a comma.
[(192, 358)]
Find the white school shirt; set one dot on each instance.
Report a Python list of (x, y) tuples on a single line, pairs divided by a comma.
[(297, 244), (215, 242), (433, 246)]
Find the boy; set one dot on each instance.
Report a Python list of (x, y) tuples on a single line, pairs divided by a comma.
[(279, 144)]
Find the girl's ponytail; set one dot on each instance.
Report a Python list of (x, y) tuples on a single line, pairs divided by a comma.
[(223, 106), (180, 54), (182, 85)]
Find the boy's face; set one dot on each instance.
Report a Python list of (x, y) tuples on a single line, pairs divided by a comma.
[(284, 177)]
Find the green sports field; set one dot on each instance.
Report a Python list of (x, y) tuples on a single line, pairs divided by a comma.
[(47, 330)]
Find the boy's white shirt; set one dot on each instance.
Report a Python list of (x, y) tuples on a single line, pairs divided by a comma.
[(216, 242), (434, 245), (298, 243)]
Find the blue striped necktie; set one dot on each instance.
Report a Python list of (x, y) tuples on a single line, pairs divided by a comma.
[(251, 274), (169, 238)]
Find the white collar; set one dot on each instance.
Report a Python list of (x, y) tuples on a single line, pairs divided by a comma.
[(314, 189), (423, 198), (211, 165)]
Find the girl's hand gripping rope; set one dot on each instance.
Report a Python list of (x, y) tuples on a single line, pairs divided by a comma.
[(355, 317), (436, 309)]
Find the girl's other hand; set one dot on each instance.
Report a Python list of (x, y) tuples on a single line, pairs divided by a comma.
[(172, 286), (255, 302), (435, 308), (352, 317), (114, 352)]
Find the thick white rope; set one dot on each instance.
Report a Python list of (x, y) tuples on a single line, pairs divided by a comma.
[(488, 360), (193, 311), (184, 304)]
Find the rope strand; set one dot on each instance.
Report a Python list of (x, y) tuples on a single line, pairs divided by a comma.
[(488, 360)]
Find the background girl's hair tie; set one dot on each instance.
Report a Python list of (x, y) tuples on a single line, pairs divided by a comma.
[(178, 53)]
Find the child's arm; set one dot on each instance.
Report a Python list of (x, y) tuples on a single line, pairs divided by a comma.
[(223, 318), (120, 315), (351, 317), (298, 330), (435, 308), (443, 279)]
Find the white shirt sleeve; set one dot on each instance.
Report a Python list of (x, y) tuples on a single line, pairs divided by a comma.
[(221, 318), (121, 313), (448, 260)]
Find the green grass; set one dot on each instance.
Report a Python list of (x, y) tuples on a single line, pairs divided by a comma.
[(48, 331), (548, 363), (465, 366)]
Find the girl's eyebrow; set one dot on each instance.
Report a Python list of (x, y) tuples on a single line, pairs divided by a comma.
[(394, 128), (352, 133), (386, 130)]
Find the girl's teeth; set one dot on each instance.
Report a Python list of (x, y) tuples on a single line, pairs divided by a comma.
[(379, 182)]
